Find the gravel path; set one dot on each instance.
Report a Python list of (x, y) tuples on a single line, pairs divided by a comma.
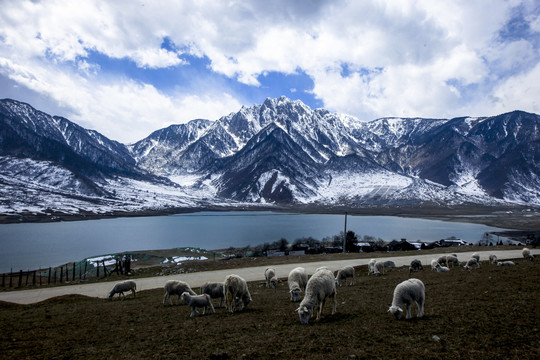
[(101, 289)]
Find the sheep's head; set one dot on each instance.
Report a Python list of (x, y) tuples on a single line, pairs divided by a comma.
[(246, 300), (295, 294), (304, 312), (396, 311), (111, 294), (273, 283), (183, 296)]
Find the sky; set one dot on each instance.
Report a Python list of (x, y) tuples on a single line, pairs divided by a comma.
[(128, 68)]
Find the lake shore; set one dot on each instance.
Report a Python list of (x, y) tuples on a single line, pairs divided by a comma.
[(507, 217)]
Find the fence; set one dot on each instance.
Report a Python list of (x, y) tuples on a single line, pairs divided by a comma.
[(68, 273)]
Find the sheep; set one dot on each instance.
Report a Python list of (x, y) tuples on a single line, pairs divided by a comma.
[(271, 280), (472, 262), (197, 301), (506, 263), (322, 268), (415, 266), (236, 293), (176, 287), (215, 290), (371, 266), (452, 259), (389, 264), (319, 287), (527, 254), (297, 282), (475, 256), (343, 274), (441, 260), (119, 288), (379, 265), (440, 268), (493, 259), (434, 264), (405, 293)]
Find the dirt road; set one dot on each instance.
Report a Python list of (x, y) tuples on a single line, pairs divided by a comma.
[(256, 273)]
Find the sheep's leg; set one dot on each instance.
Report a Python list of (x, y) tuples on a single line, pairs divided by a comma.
[(408, 306), (319, 313), (212, 308), (334, 304), (420, 304)]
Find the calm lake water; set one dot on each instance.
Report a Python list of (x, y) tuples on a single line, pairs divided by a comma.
[(30, 246)]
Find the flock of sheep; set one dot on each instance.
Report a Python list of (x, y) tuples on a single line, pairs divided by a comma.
[(234, 293)]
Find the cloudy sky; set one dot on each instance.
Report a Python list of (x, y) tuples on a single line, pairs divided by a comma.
[(127, 68)]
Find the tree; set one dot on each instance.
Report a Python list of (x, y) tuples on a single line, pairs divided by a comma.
[(351, 241)]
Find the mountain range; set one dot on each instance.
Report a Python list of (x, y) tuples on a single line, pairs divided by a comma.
[(280, 152)]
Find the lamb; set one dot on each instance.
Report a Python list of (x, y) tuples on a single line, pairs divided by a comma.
[(441, 260), (236, 293), (215, 290), (405, 294), (343, 274), (176, 287), (493, 259), (297, 282), (197, 301), (121, 287), (475, 256), (452, 259), (379, 265), (389, 264), (321, 268), (440, 268), (472, 262), (271, 280), (416, 265), (371, 266), (527, 254), (506, 263), (434, 264), (319, 287)]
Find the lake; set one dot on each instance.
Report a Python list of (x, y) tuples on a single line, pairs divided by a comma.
[(31, 246)]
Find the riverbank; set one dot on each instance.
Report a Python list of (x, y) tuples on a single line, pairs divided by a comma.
[(508, 217)]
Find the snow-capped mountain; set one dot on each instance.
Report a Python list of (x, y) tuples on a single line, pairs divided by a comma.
[(281, 152)]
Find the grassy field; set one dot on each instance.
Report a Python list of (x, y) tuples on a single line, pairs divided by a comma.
[(487, 313)]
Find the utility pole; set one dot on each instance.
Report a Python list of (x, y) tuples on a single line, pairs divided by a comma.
[(345, 233)]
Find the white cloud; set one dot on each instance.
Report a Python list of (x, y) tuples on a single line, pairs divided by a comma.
[(366, 58)]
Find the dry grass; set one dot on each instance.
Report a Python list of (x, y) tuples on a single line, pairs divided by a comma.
[(486, 313)]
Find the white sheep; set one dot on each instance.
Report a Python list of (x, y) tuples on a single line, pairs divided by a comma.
[(319, 287), (452, 259), (434, 264), (440, 268), (176, 287), (441, 260), (472, 262), (371, 266), (527, 254), (215, 290), (343, 274), (405, 294), (322, 268), (416, 265), (297, 281), (270, 276), (236, 293), (378, 268), (493, 259), (476, 256), (121, 287), (197, 301), (506, 263)]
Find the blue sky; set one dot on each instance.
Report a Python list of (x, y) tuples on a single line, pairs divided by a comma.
[(126, 68)]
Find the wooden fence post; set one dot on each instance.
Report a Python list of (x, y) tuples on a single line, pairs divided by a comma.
[(40, 277), (73, 277), (20, 278), (55, 275), (61, 274), (50, 273), (97, 270), (104, 269), (34, 278), (27, 274), (11, 277), (4, 280)]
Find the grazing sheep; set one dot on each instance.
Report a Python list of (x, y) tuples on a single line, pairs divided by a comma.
[(215, 290), (176, 287), (416, 265), (441, 260), (389, 264), (297, 281), (320, 286), (405, 294), (343, 274), (197, 301), (527, 254), (452, 259), (434, 264), (271, 280), (472, 262), (119, 288), (321, 268), (493, 259), (506, 263), (371, 266), (236, 293), (440, 268), (476, 256), (378, 267)]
